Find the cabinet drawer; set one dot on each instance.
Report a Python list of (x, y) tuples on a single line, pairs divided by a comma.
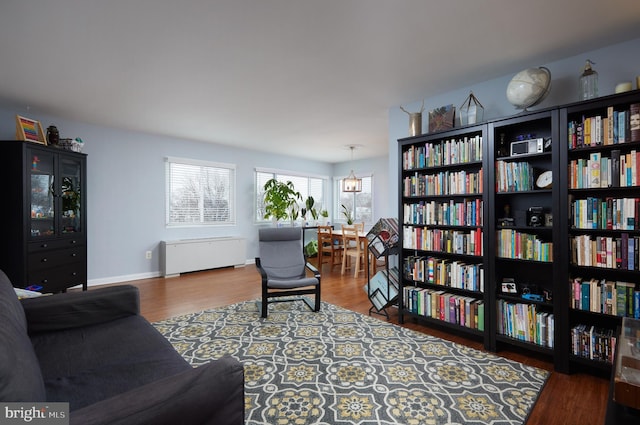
[(59, 278), (41, 260), (55, 244)]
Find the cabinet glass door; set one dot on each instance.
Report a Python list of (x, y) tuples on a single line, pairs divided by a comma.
[(41, 193), (70, 195)]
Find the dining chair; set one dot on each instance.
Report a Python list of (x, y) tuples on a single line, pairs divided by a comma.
[(330, 244), (354, 243)]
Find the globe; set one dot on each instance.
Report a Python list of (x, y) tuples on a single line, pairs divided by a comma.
[(528, 87)]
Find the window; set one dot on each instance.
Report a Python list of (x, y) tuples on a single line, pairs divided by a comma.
[(360, 204), (306, 185), (199, 192)]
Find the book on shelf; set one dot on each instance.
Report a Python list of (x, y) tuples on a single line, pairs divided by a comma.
[(616, 127), (464, 242), (514, 176), (605, 213), (594, 251), (444, 272), (445, 152), (634, 122), (467, 212), (606, 296), (523, 246), (443, 183), (593, 343), (524, 322), (441, 305), (600, 171)]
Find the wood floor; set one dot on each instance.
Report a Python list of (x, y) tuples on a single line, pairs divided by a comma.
[(578, 399)]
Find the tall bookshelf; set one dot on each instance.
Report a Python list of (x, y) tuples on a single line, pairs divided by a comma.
[(522, 267), (601, 194), (572, 249), (442, 216)]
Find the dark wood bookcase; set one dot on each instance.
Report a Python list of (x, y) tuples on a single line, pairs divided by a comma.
[(589, 195), (443, 214), (529, 231), (44, 238)]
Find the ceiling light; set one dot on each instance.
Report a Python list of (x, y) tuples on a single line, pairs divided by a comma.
[(352, 183)]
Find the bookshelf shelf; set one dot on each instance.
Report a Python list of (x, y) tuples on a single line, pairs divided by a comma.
[(446, 325), (529, 346)]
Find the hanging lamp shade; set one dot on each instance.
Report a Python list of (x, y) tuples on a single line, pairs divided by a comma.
[(352, 183)]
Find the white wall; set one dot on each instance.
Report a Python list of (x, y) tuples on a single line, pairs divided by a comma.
[(614, 64), (126, 191)]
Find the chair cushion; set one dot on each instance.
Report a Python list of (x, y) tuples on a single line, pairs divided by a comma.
[(20, 376), (288, 284)]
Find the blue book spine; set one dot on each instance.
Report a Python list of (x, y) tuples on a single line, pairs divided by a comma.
[(636, 304)]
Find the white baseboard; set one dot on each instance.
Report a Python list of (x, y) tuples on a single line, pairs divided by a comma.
[(137, 276), (122, 278)]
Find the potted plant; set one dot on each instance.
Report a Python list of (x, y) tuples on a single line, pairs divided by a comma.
[(309, 203), (346, 212), (325, 214), (279, 199)]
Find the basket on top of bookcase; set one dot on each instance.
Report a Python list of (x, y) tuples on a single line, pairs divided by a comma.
[(71, 145)]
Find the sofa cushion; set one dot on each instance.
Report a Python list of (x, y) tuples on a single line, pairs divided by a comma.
[(85, 365), (20, 376)]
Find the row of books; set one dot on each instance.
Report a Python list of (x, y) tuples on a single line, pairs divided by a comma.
[(443, 183), (614, 128), (443, 240), (618, 170), (438, 271), (606, 213), (605, 296), (441, 305), (514, 176), (593, 343), (467, 212), (523, 246), (606, 251), (525, 323), (447, 152)]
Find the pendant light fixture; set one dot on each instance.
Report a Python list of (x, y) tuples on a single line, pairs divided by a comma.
[(352, 183)]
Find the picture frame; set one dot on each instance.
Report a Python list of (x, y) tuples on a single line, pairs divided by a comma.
[(29, 130), (441, 118)]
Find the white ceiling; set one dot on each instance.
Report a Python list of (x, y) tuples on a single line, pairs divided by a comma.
[(298, 77)]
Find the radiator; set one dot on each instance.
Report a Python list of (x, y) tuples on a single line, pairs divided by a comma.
[(188, 255)]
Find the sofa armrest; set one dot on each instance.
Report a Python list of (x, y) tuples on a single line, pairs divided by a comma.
[(210, 394), (80, 308)]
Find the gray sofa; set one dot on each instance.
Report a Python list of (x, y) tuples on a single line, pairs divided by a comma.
[(93, 350)]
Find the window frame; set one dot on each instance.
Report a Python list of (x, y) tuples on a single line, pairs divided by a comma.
[(216, 167)]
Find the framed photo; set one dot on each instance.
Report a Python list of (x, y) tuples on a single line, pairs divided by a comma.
[(29, 130), (441, 118)]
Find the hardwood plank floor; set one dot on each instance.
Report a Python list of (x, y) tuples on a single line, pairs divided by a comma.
[(578, 398)]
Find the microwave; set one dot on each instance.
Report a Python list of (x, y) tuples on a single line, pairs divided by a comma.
[(527, 146)]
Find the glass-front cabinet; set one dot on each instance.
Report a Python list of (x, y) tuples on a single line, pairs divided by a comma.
[(55, 205), (43, 243)]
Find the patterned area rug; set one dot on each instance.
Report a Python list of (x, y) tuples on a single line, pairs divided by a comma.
[(341, 367)]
